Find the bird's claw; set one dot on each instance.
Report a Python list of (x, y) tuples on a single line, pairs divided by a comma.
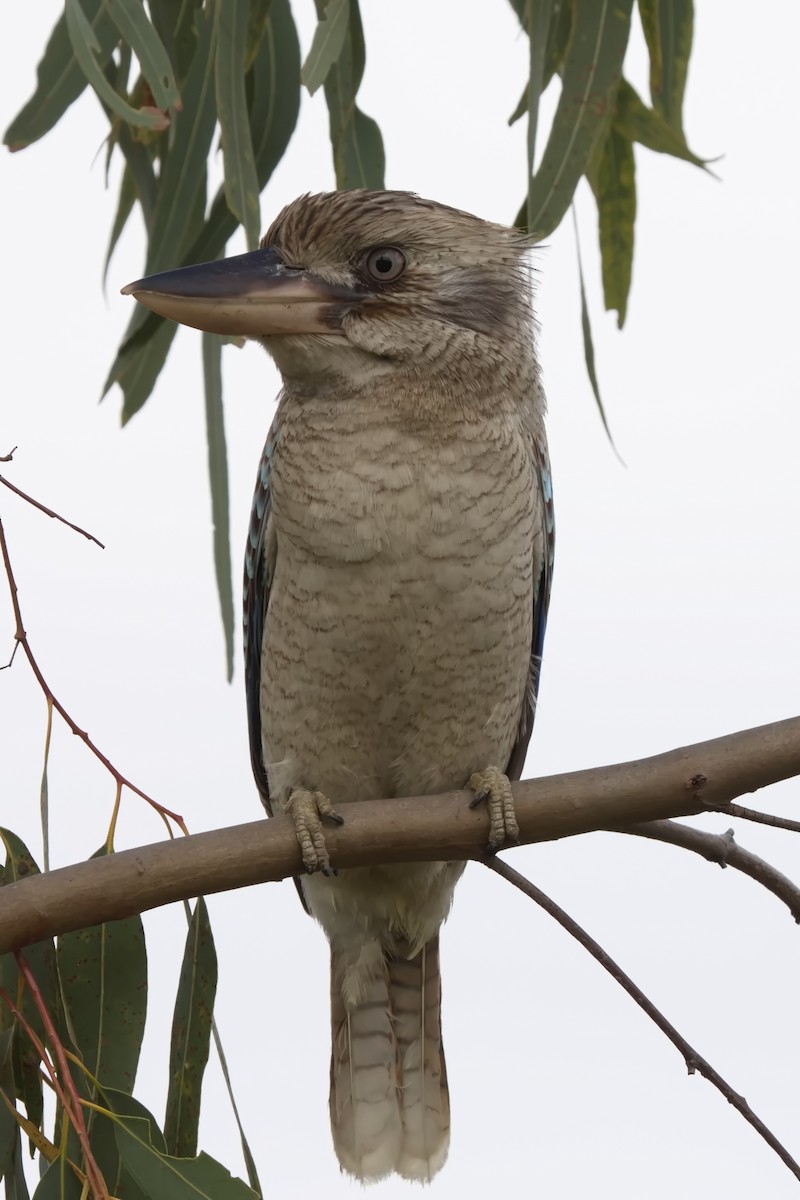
[(307, 810), (493, 788)]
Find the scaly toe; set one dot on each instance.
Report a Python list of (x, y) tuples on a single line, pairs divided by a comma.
[(493, 787), (307, 810)]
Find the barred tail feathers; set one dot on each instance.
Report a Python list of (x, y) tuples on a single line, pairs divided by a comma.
[(389, 1103)]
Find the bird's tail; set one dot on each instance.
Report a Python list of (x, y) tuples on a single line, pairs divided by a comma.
[(390, 1108)]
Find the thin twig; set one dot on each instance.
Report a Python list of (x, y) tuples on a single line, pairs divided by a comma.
[(63, 1085), (723, 850), (21, 639), (694, 1061), (65, 1076), (758, 818), (8, 457), (48, 512)]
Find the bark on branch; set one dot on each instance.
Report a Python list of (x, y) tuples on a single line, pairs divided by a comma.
[(679, 783)]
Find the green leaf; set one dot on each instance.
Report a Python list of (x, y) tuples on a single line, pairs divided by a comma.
[(177, 219), (276, 90), (139, 162), (88, 51), (539, 14), (676, 29), (104, 1142), (327, 44), (8, 1126), (159, 1175), (241, 182), (249, 1161), (588, 344), (103, 973), (137, 32), (644, 125), (59, 78), (175, 23), (179, 214), (44, 790), (218, 477), (557, 41), (127, 199), (615, 192), (59, 1182), (259, 15), (40, 958), (648, 15), (358, 155), (591, 73), (191, 1035), (15, 1185), (137, 368)]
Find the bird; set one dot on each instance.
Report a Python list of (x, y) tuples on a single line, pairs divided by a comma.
[(397, 581)]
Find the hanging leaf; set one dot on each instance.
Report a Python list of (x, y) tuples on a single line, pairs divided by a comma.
[(675, 33), (40, 958), (614, 187), (89, 53), (218, 476), (644, 125), (103, 971), (592, 70), (127, 199), (358, 156), (588, 343), (140, 35), (8, 1125), (175, 22), (15, 1186), (329, 37), (241, 182), (59, 78), (558, 35), (178, 1178), (103, 1140), (191, 1035), (59, 1182)]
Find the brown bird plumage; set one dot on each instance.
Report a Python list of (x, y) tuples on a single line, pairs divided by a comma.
[(396, 590)]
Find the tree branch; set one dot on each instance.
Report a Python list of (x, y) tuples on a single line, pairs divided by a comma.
[(722, 849), (694, 1061), (422, 828)]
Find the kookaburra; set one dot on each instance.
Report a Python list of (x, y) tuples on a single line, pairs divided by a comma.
[(396, 586)]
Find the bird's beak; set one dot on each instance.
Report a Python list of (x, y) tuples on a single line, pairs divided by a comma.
[(249, 295)]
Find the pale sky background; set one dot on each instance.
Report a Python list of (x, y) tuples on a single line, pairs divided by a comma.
[(673, 619)]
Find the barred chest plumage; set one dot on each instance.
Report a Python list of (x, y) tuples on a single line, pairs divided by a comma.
[(405, 570)]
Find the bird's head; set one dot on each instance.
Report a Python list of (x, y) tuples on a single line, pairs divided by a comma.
[(363, 283)]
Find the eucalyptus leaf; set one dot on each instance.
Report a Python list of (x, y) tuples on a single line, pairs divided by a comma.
[(59, 78), (191, 1034), (140, 35), (241, 181), (218, 476), (329, 38), (103, 971), (89, 53), (591, 74)]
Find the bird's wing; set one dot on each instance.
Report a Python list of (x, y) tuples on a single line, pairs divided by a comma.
[(541, 599), (259, 566)]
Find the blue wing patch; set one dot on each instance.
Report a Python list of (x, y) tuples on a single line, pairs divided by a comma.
[(541, 600), (257, 583)]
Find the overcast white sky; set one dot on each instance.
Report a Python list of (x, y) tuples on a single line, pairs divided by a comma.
[(674, 619)]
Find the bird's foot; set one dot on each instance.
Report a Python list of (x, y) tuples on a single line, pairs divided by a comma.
[(492, 786), (307, 810)]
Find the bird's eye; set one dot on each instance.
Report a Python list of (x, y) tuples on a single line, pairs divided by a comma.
[(386, 264)]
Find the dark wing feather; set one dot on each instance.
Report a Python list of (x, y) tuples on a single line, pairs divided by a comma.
[(257, 582), (541, 600)]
